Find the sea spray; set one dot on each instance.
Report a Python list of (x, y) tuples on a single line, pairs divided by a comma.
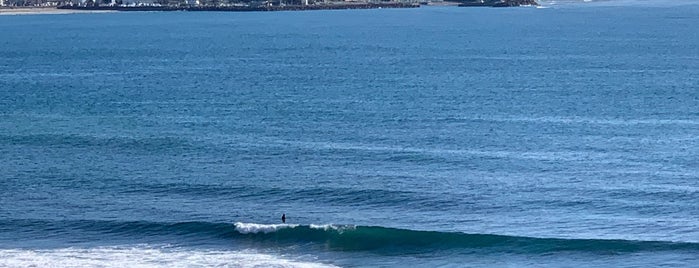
[(146, 256), (248, 228)]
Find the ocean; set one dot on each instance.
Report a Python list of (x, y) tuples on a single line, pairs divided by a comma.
[(559, 136)]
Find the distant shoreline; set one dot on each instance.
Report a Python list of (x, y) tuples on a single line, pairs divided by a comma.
[(334, 6), (247, 8), (44, 10)]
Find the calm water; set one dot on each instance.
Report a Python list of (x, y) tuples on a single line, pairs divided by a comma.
[(565, 136)]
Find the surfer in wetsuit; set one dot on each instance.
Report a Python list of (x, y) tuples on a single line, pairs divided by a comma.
[(283, 218)]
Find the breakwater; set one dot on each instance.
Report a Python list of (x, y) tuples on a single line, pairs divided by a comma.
[(247, 8)]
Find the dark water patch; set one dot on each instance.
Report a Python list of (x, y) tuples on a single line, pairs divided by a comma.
[(315, 195), (400, 199), (142, 144), (189, 189)]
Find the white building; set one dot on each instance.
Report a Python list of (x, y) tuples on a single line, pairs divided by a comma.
[(137, 2)]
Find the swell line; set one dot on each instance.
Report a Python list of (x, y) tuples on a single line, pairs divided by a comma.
[(348, 237)]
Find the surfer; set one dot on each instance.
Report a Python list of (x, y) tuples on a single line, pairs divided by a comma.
[(283, 218)]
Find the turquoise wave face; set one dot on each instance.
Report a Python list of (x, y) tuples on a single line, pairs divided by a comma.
[(338, 237)]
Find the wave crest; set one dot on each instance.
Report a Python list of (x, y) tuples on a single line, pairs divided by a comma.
[(253, 228)]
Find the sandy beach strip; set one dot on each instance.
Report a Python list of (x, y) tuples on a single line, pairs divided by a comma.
[(45, 10)]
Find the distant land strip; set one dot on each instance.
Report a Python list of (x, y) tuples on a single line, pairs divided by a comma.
[(274, 5), (242, 8)]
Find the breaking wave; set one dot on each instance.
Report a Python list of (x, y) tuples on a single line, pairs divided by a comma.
[(356, 238), (145, 257)]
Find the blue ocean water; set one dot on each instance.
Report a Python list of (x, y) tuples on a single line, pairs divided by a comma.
[(564, 136)]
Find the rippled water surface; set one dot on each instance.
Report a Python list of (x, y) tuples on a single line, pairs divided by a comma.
[(562, 136)]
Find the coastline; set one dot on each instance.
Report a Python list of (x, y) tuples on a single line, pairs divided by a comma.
[(4, 11), (249, 8), (327, 6)]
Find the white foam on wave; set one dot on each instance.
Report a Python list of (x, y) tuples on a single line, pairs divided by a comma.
[(328, 227), (136, 257), (253, 228)]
